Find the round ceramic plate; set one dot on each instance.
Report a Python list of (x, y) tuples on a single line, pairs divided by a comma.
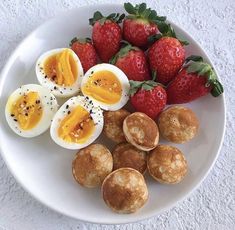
[(44, 168)]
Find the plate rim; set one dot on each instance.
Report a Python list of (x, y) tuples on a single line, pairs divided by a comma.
[(133, 219)]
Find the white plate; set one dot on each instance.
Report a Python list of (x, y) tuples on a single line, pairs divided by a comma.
[(44, 169)]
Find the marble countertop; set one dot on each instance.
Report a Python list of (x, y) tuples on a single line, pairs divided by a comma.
[(212, 205)]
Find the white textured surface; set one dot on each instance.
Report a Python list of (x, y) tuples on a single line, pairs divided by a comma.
[(212, 205)]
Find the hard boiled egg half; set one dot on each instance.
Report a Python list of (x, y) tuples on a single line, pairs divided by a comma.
[(60, 70), (78, 122), (30, 109), (107, 85)]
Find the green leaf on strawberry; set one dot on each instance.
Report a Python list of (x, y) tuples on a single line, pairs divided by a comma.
[(123, 51), (80, 40), (217, 89), (205, 70), (141, 11), (115, 17), (142, 8), (146, 85), (166, 31), (193, 58), (129, 8)]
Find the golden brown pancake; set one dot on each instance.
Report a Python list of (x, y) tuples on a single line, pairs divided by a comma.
[(167, 164), (141, 131), (178, 124), (125, 190), (113, 122), (91, 165), (126, 155)]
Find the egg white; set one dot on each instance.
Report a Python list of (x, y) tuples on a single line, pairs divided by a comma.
[(49, 108), (121, 76), (86, 103), (58, 90)]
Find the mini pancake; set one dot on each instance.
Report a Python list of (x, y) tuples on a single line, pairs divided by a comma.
[(125, 190), (141, 131), (91, 165), (113, 122), (126, 155), (167, 164), (178, 124)]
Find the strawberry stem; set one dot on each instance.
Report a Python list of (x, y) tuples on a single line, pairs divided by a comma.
[(166, 31), (205, 70), (146, 85), (98, 17), (141, 11), (122, 52), (80, 40), (194, 58)]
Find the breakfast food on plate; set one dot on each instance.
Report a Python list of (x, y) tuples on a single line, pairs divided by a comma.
[(126, 155), (178, 124), (133, 62), (141, 131), (167, 164), (106, 34), (193, 81), (30, 109), (85, 51), (166, 56), (91, 165), (148, 97), (60, 70), (140, 24), (77, 123), (113, 123), (107, 85), (125, 190)]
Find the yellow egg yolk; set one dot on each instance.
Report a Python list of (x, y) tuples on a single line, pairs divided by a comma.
[(61, 68), (103, 86), (77, 126), (27, 110)]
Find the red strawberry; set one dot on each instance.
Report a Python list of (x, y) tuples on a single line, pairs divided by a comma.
[(193, 81), (85, 51), (148, 97), (132, 61), (140, 24), (166, 56), (106, 34)]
